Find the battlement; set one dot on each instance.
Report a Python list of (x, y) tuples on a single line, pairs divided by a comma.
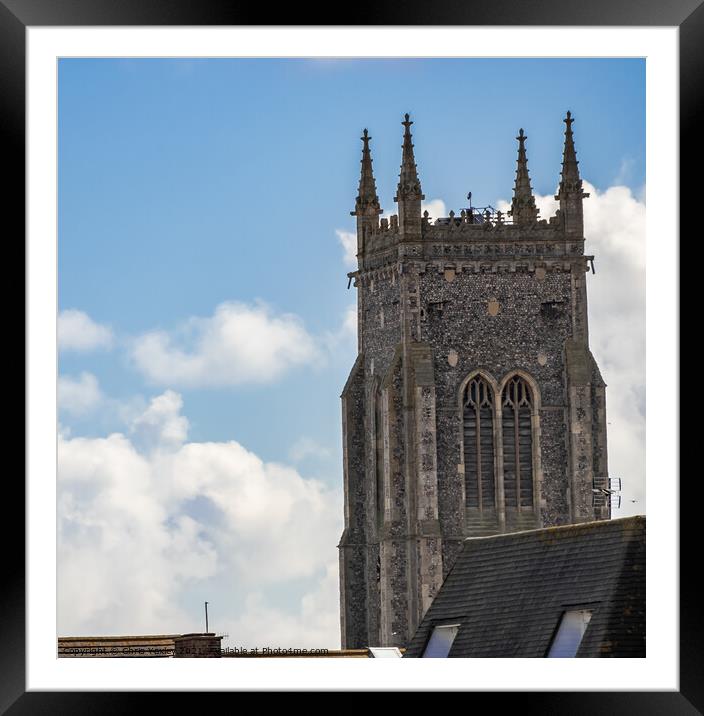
[(466, 226), (485, 218), (495, 241)]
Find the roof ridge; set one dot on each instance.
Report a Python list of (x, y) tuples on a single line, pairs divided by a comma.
[(560, 528), (120, 637)]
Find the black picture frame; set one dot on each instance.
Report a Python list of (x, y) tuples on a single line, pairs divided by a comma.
[(17, 15)]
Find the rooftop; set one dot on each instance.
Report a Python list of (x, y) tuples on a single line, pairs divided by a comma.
[(508, 593)]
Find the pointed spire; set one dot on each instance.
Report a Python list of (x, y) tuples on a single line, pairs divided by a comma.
[(570, 193), (367, 202), (409, 183), (570, 182), (523, 209)]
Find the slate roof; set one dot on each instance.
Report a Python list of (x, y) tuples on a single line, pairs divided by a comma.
[(508, 591)]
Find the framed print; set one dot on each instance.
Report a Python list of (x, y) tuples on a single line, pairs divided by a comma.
[(211, 268)]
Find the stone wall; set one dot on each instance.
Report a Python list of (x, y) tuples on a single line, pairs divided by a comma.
[(498, 323)]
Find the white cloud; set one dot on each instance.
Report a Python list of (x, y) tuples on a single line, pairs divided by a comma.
[(435, 208), (239, 344), (625, 171), (79, 332), (345, 336), (279, 525), (315, 623), (349, 323), (120, 560), (305, 448), (615, 233), (132, 545), (614, 227), (78, 396), (348, 240), (161, 426)]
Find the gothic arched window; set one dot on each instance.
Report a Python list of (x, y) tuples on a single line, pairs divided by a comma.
[(478, 418), (516, 414)]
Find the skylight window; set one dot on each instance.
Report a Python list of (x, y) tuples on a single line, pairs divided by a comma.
[(569, 634), (385, 652), (440, 642)]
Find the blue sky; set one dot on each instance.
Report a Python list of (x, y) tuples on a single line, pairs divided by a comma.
[(185, 185)]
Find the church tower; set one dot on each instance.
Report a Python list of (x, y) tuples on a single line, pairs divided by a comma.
[(475, 406)]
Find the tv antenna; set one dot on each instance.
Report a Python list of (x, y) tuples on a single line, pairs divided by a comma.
[(605, 491)]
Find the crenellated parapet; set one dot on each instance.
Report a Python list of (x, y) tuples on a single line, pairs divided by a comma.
[(495, 230)]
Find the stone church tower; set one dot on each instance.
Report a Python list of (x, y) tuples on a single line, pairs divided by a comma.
[(475, 405)]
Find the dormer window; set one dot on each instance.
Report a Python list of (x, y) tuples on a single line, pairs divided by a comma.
[(440, 642), (568, 637)]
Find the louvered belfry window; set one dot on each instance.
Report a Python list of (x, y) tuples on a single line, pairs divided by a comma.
[(516, 411), (479, 445)]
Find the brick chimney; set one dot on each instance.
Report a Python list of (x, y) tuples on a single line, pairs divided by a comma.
[(197, 646)]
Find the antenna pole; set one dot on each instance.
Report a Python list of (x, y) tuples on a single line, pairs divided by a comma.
[(206, 618)]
